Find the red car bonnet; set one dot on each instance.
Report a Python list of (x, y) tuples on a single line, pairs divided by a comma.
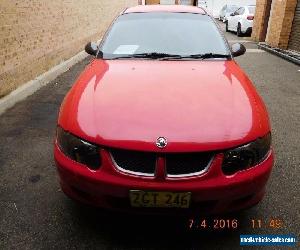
[(196, 105)]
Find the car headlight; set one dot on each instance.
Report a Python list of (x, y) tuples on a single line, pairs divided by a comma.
[(247, 155), (78, 149)]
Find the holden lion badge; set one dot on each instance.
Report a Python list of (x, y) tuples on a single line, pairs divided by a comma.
[(161, 142)]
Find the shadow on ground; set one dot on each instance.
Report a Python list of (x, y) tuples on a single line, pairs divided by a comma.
[(127, 230)]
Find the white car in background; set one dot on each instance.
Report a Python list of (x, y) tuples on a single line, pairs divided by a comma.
[(241, 21), (226, 11), (202, 4)]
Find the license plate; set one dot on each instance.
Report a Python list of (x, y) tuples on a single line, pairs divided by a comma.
[(139, 198)]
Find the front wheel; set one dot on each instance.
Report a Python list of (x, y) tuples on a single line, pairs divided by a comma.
[(227, 30), (239, 30)]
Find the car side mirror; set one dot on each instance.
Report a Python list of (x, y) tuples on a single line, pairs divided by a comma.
[(91, 48), (238, 49), (232, 14)]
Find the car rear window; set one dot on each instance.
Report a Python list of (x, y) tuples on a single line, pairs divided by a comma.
[(162, 32), (231, 8)]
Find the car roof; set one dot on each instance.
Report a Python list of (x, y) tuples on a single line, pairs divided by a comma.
[(165, 8)]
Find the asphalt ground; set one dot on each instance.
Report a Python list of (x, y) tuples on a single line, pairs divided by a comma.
[(35, 214)]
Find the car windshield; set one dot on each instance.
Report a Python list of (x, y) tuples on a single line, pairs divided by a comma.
[(163, 33), (251, 9), (231, 8)]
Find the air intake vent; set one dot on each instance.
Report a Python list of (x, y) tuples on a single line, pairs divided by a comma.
[(187, 163), (135, 162)]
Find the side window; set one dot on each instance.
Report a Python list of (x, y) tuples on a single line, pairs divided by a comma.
[(237, 12), (241, 11)]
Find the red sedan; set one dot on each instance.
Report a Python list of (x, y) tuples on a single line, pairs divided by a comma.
[(163, 119)]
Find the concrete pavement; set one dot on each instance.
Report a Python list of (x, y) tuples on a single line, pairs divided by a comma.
[(35, 214)]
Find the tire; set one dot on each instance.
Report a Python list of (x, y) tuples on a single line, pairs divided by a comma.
[(226, 25), (239, 31)]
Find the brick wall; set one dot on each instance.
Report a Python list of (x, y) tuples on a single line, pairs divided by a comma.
[(280, 25), (36, 35), (158, 2), (260, 20)]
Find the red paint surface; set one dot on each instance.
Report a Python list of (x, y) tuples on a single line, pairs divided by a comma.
[(99, 187), (196, 105)]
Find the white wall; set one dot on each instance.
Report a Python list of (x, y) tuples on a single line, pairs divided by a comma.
[(167, 1), (185, 2), (214, 6)]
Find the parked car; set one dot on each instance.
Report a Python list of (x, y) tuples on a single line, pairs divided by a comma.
[(226, 11), (163, 117), (202, 4), (241, 21)]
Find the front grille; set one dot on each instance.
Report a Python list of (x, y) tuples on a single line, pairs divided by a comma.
[(187, 163), (177, 164), (134, 161)]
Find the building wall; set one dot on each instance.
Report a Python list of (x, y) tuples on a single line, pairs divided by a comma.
[(148, 2), (260, 20), (185, 2), (152, 1), (36, 35), (279, 24), (167, 1)]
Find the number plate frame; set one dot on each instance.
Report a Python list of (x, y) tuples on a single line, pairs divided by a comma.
[(159, 199)]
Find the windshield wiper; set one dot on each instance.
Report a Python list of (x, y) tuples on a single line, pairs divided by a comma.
[(166, 56), (199, 56), (207, 55), (150, 55)]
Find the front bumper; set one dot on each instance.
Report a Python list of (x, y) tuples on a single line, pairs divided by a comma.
[(212, 192)]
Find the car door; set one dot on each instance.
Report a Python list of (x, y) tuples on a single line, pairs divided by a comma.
[(241, 15), (237, 17), (232, 20)]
